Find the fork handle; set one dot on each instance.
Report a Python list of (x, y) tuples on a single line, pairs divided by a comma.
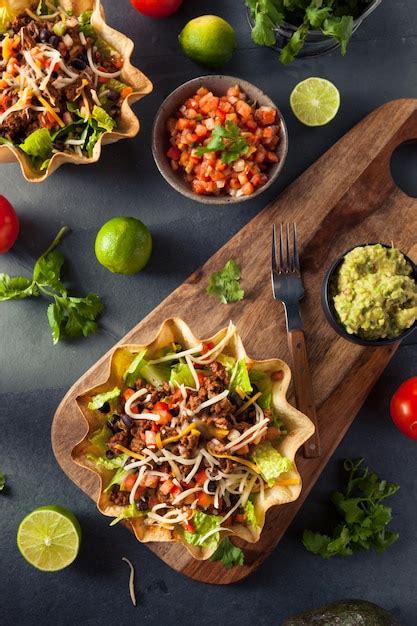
[(303, 388)]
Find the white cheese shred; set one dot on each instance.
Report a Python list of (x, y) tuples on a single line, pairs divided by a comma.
[(131, 580)]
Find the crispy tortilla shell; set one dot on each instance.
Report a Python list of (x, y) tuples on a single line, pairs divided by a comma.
[(299, 428), (128, 123)]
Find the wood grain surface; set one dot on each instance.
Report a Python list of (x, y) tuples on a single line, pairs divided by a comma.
[(346, 198)]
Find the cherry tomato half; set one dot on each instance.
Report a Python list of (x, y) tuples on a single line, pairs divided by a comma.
[(157, 8), (9, 225), (403, 408)]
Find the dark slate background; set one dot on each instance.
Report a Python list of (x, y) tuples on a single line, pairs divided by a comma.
[(380, 66)]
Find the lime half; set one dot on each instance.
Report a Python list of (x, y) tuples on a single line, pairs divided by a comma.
[(315, 101), (49, 538)]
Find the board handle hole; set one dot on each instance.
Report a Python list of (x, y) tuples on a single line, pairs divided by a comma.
[(404, 168)]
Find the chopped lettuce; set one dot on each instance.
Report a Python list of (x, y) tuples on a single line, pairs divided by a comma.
[(250, 513), (203, 524), (154, 374), (129, 511), (240, 377), (102, 118), (101, 398), (114, 85), (227, 361), (132, 372), (84, 22), (229, 554), (181, 375), (100, 437), (117, 479), (38, 144), (270, 462), (263, 382), (105, 463)]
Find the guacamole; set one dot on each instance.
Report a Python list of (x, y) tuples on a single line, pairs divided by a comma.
[(374, 293)]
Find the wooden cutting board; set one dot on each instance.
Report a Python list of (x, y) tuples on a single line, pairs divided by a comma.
[(346, 198)]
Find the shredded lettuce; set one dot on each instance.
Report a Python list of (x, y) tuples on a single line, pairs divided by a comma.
[(102, 118), (84, 22), (105, 463), (100, 437), (132, 372), (154, 374), (227, 361), (129, 511), (240, 377), (270, 462), (117, 479), (228, 554), (203, 524), (263, 382), (250, 513), (38, 144), (101, 398), (181, 375)]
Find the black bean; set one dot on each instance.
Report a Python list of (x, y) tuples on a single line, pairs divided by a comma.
[(235, 399), (110, 454), (127, 421), (54, 41), (112, 421), (105, 408), (113, 95), (44, 35), (212, 486), (114, 112), (78, 64), (115, 488), (142, 504)]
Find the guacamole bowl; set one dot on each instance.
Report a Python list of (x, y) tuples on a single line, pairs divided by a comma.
[(328, 294)]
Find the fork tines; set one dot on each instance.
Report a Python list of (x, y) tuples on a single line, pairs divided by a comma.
[(288, 259)]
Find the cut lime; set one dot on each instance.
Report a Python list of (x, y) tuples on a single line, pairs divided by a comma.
[(315, 101), (49, 538)]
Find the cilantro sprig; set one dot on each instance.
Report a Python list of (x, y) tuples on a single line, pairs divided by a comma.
[(363, 516), (228, 140), (228, 554), (225, 283), (333, 18), (67, 315)]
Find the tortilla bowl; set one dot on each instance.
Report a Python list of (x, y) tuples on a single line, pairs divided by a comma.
[(299, 429), (127, 124)]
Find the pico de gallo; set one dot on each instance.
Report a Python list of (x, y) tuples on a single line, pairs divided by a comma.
[(224, 145), (60, 86), (191, 436)]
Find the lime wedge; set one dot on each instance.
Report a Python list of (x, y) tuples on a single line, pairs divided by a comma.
[(315, 101), (49, 538)]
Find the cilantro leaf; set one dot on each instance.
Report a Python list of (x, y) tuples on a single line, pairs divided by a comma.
[(228, 554), (2, 481), (293, 47), (267, 15), (67, 315), (228, 140), (341, 28), (364, 518), (225, 283)]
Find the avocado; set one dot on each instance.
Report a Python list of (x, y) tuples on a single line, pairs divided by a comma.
[(344, 613)]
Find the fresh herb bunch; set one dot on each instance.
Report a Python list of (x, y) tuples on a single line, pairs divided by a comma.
[(364, 518), (228, 554), (228, 140), (67, 315), (225, 283), (332, 17)]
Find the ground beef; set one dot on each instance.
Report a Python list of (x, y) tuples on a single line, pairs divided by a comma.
[(120, 438), (19, 124), (188, 445), (119, 497), (137, 445)]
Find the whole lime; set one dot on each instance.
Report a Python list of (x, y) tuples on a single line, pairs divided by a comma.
[(123, 245), (208, 40)]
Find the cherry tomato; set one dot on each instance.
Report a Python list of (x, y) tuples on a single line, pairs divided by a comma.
[(9, 225), (157, 8), (403, 408)]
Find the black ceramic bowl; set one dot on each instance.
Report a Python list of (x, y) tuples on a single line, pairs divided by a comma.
[(331, 314)]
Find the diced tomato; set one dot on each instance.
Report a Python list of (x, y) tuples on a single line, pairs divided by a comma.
[(189, 526), (240, 518), (208, 345), (174, 153), (201, 477), (153, 500), (243, 450), (150, 439), (201, 377), (155, 427), (126, 91), (166, 486), (175, 490), (272, 433), (162, 409), (204, 500), (129, 481), (151, 481)]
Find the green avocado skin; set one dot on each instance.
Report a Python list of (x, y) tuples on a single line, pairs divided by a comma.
[(344, 613)]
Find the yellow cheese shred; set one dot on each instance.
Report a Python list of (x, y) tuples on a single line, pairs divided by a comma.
[(135, 455), (237, 459), (51, 111), (249, 402)]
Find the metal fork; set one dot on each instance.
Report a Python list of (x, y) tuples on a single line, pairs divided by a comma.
[(287, 287)]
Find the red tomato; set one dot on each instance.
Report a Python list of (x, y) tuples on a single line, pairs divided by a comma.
[(9, 225), (403, 408), (164, 415), (129, 481), (157, 8)]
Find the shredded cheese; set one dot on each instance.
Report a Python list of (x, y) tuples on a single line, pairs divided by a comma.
[(248, 403), (176, 355), (237, 459), (51, 111), (213, 400), (131, 580), (135, 455)]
